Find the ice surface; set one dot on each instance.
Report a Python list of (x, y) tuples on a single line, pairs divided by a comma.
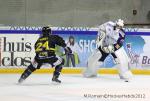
[(38, 87)]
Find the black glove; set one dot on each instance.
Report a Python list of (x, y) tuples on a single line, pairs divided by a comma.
[(68, 50)]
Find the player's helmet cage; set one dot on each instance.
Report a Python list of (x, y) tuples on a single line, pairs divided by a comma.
[(46, 31), (120, 23)]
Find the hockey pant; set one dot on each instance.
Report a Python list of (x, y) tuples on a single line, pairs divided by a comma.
[(92, 64)]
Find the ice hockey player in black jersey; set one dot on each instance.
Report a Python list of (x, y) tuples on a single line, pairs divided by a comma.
[(45, 53)]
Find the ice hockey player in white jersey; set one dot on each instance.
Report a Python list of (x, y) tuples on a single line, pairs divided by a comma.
[(109, 40)]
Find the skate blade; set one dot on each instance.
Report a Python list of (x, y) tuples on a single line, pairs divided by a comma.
[(126, 80), (18, 83), (55, 83), (91, 76)]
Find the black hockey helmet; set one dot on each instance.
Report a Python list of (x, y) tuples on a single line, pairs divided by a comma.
[(46, 31)]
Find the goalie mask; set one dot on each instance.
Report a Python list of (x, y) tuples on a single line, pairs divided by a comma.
[(46, 31), (119, 25)]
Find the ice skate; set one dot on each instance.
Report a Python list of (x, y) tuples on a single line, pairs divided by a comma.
[(20, 80), (126, 76), (55, 79)]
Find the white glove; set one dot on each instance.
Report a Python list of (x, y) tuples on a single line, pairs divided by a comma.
[(108, 49)]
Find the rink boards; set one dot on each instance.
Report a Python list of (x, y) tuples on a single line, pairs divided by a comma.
[(72, 71), (17, 51)]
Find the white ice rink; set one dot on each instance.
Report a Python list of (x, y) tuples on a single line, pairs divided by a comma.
[(38, 87)]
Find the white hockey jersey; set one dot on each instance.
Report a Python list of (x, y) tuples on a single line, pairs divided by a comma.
[(107, 35)]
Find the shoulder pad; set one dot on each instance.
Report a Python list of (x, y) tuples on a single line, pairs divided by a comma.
[(110, 23)]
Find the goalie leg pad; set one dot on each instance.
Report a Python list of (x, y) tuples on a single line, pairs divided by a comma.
[(126, 76), (123, 63), (93, 64)]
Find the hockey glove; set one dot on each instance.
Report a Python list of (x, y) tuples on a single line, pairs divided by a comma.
[(108, 49), (68, 50)]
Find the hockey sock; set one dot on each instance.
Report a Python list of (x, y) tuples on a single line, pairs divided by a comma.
[(27, 72), (57, 73)]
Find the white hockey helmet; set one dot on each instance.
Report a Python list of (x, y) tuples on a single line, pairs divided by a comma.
[(120, 22)]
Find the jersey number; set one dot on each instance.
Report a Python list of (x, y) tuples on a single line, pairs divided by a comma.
[(41, 45)]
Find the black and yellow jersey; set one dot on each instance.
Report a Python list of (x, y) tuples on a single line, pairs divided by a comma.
[(45, 45)]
